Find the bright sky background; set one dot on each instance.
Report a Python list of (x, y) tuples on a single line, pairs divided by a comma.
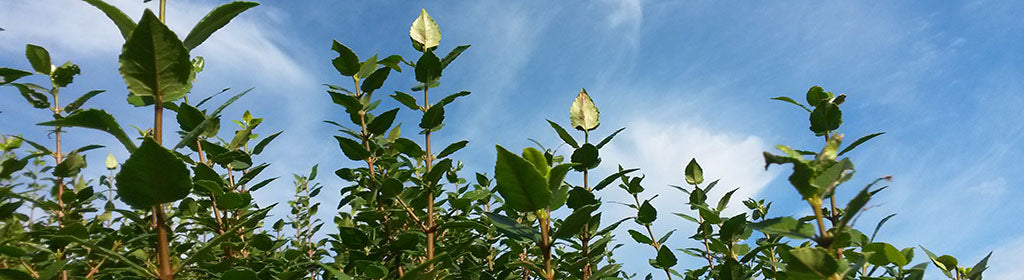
[(687, 79)]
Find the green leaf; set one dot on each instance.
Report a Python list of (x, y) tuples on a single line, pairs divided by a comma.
[(32, 94), (437, 171), (646, 214), (239, 273), (858, 142), (428, 68), (74, 105), (452, 55), (579, 197), (337, 274), (611, 178), (248, 221), (666, 259), (694, 174), (381, 123), (11, 165), (232, 201), (825, 118), (214, 117), (816, 96), (585, 157), (883, 254), (408, 147), (640, 237), (855, 205), (10, 75), (451, 98), (574, 222), (814, 261), (536, 157), (432, 118), (94, 119), (512, 229), (352, 149), (154, 63), (70, 166), (366, 67), (215, 20), (124, 23), (375, 80), (406, 100), (63, 75), (786, 226), (392, 62), (583, 114), (424, 33), (564, 135), (347, 63), (557, 175), (791, 101), (977, 269), (523, 188), (452, 148), (39, 58), (152, 175), (609, 138), (263, 143)]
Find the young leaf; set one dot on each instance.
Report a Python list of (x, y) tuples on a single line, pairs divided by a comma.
[(816, 96), (39, 58), (666, 259), (523, 188), (347, 63), (152, 175), (95, 119), (213, 21), (124, 23), (586, 157), (449, 99), (583, 114), (154, 63), (825, 118), (694, 174), (263, 143), (424, 32)]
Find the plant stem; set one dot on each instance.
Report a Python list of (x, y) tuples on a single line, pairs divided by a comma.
[(816, 204), (430, 188), (545, 246), (657, 245)]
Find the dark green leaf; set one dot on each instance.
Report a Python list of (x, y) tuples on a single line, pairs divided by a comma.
[(406, 100), (451, 98), (239, 273), (512, 229), (74, 105), (350, 103), (263, 143), (611, 178), (787, 226), (816, 96), (63, 76), (154, 63), (70, 166), (791, 101), (858, 142), (640, 237), (10, 75), (375, 80), (347, 63), (408, 147), (39, 58), (95, 119), (883, 254), (452, 148), (381, 123), (523, 188), (124, 23), (825, 118), (452, 55), (352, 149), (152, 175), (646, 214), (564, 135), (585, 157), (432, 118), (436, 171), (812, 261), (666, 259), (232, 201), (428, 68), (215, 20), (579, 197), (609, 138), (574, 222), (214, 117)]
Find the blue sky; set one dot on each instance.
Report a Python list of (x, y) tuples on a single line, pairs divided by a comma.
[(687, 79)]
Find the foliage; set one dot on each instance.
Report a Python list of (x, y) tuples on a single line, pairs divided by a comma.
[(406, 211)]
